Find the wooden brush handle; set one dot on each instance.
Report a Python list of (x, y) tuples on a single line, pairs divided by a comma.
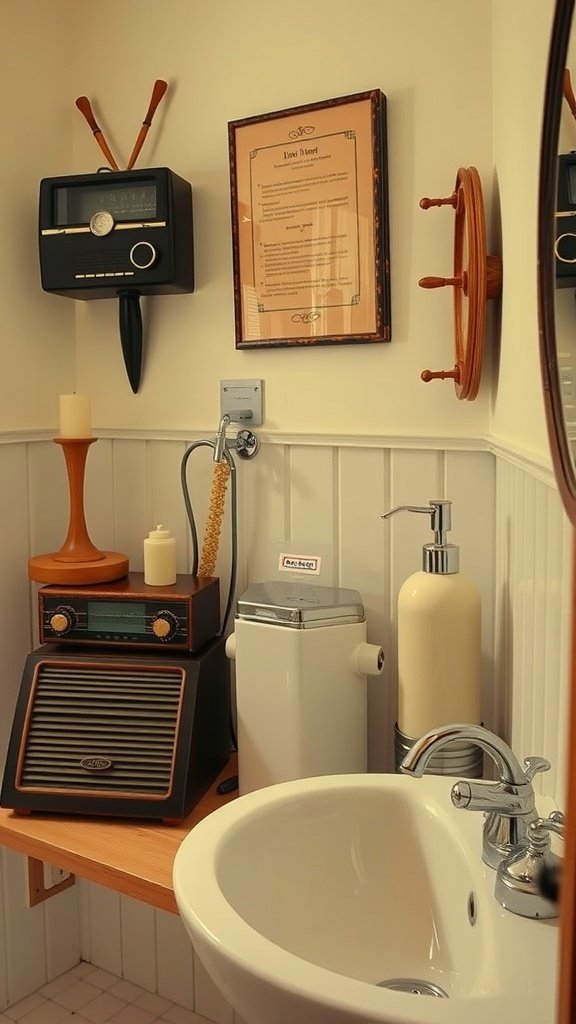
[(83, 104), (157, 93)]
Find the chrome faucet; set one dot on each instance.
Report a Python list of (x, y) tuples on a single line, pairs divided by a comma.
[(508, 804)]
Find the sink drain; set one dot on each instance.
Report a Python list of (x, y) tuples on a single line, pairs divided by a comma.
[(415, 986)]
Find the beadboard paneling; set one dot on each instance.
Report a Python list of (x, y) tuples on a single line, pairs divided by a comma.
[(175, 960), (138, 931), (532, 615), (263, 512), (15, 593), (102, 931), (26, 946), (62, 917), (131, 490), (364, 564)]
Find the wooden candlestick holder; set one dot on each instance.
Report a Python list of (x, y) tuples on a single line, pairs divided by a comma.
[(78, 561)]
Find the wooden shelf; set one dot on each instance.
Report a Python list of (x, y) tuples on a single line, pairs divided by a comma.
[(134, 857)]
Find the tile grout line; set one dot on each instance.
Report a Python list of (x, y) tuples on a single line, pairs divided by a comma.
[(86, 994)]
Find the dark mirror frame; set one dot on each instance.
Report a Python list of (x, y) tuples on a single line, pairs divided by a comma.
[(562, 457), (563, 462)]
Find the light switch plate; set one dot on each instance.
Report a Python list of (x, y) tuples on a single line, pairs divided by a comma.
[(240, 398)]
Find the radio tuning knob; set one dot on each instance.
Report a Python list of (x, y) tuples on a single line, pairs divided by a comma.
[(143, 255), (63, 619), (164, 625), (101, 223)]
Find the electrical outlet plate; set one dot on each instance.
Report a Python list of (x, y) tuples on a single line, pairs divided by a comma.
[(239, 399)]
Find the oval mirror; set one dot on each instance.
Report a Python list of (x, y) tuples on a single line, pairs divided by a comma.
[(557, 257), (557, 321)]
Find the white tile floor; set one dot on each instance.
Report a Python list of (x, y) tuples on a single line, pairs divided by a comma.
[(88, 995)]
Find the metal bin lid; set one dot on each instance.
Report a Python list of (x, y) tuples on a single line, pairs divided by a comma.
[(299, 605)]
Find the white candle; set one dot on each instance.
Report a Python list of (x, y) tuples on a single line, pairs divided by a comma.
[(75, 416)]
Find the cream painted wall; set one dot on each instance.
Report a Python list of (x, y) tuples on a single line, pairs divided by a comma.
[(520, 34), (37, 346), (222, 62), (227, 60)]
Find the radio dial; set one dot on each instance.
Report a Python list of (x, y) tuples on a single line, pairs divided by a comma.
[(143, 255), (63, 619), (164, 625), (101, 223)]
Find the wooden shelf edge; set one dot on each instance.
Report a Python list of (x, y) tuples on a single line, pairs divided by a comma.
[(132, 857)]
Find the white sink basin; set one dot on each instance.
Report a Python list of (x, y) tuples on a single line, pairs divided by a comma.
[(300, 899)]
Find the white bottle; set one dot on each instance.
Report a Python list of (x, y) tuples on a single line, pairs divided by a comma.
[(159, 558), (439, 637)]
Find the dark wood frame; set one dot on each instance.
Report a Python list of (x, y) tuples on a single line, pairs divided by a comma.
[(561, 453), (310, 323), (563, 464)]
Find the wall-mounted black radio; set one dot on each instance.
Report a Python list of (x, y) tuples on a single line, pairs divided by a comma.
[(127, 613), (100, 233), (565, 233), (117, 234)]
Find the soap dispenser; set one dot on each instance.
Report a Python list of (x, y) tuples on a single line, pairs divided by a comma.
[(439, 649)]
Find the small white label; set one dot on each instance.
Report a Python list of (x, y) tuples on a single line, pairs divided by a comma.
[(308, 565)]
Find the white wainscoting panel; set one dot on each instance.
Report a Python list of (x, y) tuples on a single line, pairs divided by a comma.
[(62, 917), (26, 941), (40, 942), (532, 610), (175, 960), (327, 493), (138, 928), (102, 927)]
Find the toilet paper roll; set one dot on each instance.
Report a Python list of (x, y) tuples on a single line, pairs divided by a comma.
[(367, 660)]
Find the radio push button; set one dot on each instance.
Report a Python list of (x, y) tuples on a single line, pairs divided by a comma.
[(143, 255), (63, 619), (164, 625)]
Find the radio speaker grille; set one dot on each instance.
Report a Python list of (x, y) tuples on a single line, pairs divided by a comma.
[(139, 736), (102, 730), (112, 260)]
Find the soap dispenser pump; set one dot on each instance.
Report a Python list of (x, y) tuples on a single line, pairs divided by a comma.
[(439, 648)]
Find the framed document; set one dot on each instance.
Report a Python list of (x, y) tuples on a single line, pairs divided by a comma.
[(309, 192)]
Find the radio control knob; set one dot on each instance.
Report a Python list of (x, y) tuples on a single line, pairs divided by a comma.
[(101, 223), (63, 619), (143, 255), (164, 625)]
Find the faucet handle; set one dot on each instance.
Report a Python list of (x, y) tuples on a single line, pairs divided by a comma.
[(518, 878), (539, 831), (535, 765), (486, 796)]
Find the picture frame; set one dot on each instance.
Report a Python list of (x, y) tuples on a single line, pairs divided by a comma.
[(310, 224)]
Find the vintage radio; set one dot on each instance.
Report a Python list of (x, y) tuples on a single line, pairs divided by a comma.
[(113, 231), (127, 613), (118, 733)]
